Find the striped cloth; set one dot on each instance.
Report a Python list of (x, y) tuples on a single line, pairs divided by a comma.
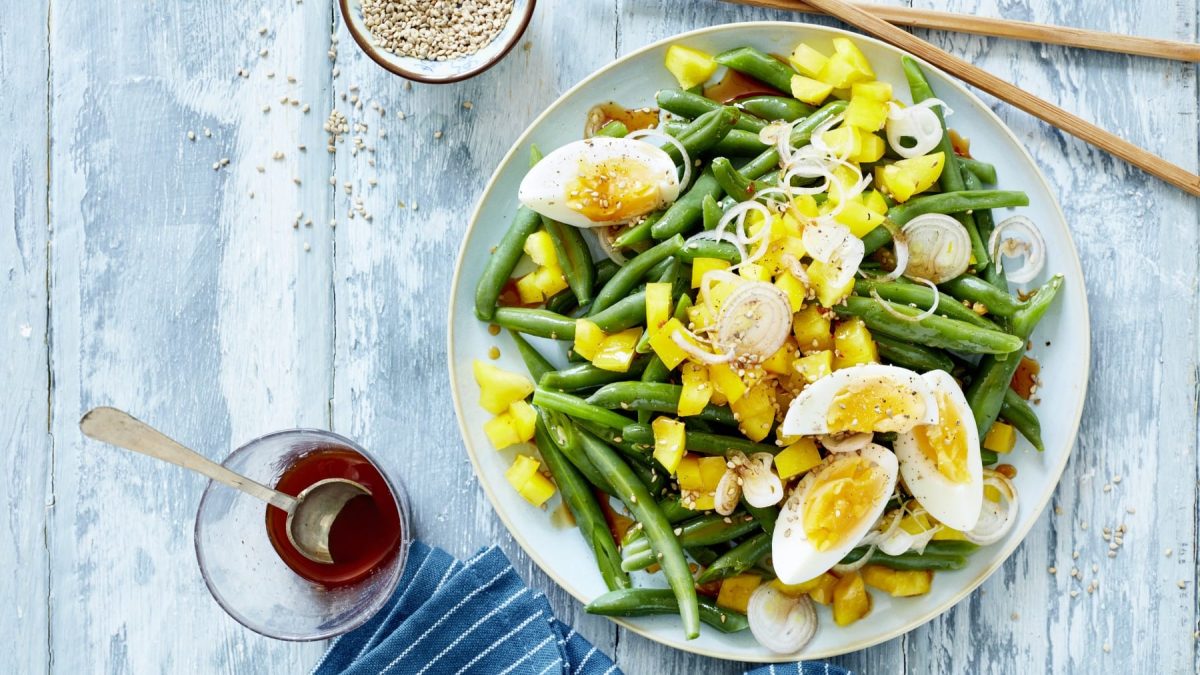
[(478, 616)]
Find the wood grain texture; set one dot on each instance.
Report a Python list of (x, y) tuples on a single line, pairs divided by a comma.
[(171, 292)]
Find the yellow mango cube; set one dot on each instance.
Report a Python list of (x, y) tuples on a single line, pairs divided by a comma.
[(726, 381), (814, 366), (793, 288), (524, 419), (702, 266), (1001, 438), (501, 431), (668, 442), (755, 411), (700, 318), (856, 216), (780, 362), (549, 279), (691, 67), (498, 388), (658, 306), (823, 593), (812, 329), (870, 149), (529, 289), (688, 473), (802, 588), (874, 201), (712, 469), (616, 352), (797, 458), (823, 279), (705, 501), (898, 583), (540, 249), (908, 177), (949, 534), (736, 591), (851, 601), (588, 338), (522, 469), (845, 48), (754, 272), (853, 344), (537, 489), (809, 90), (696, 390), (806, 205), (866, 113), (807, 60), (665, 347)]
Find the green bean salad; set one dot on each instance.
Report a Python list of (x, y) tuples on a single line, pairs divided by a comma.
[(787, 379)]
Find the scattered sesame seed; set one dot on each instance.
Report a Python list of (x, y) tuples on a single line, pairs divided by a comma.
[(260, 168), (307, 247), (1106, 647), (437, 134), (191, 135), (1168, 553), (1015, 616), (468, 105), (263, 52), (266, 108), (305, 109), (207, 132), (1182, 583), (262, 30), (1053, 570), (277, 156)]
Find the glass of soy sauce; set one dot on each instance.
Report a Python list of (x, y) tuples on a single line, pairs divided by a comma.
[(261, 580)]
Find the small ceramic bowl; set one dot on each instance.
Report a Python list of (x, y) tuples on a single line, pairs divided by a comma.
[(438, 72)]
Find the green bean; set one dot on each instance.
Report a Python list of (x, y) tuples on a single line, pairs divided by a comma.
[(612, 436), (766, 516), (951, 179), (627, 312), (1021, 415), (535, 363), (759, 65), (737, 559), (705, 530), (589, 519), (539, 322), (801, 133), (614, 129), (674, 510), (702, 554), (956, 202), (985, 394), (704, 132), (564, 302), (731, 181), (587, 376), (736, 143), (574, 257), (938, 555), (568, 439), (634, 271), (711, 211), (776, 108), (655, 397), (986, 224), (577, 408), (922, 297), (652, 601), (662, 539), (708, 248), (974, 289), (912, 356), (700, 442), (988, 457), (933, 331), (637, 233), (691, 106), (503, 261), (986, 173)]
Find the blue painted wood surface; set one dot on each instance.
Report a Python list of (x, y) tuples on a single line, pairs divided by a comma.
[(139, 275)]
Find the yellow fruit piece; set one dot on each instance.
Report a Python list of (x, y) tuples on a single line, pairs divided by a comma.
[(537, 489), (529, 290), (860, 219), (812, 330), (499, 388), (717, 292), (522, 469), (793, 289), (1000, 438), (658, 306), (823, 593), (696, 390), (666, 348), (874, 91), (688, 473), (797, 458), (843, 141), (853, 344), (727, 382), (549, 280), (691, 67), (949, 534), (802, 588), (851, 601), (524, 477), (540, 249), (844, 179), (702, 266), (712, 469), (736, 591), (898, 583), (865, 111), (822, 276), (846, 49), (870, 149), (704, 502), (780, 362), (806, 205), (754, 272), (588, 338), (807, 60), (814, 366), (699, 317), (617, 351), (908, 177), (755, 411), (874, 201), (501, 431), (524, 419), (668, 442), (812, 92)]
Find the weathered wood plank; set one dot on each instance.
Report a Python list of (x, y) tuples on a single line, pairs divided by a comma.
[(392, 275), (1138, 241), (179, 297), (24, 418)]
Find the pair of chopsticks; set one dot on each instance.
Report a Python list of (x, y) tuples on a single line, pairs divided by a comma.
[(878, 21)]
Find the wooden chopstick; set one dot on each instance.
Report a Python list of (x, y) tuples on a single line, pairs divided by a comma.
[(1005, 28), (1043, 110)]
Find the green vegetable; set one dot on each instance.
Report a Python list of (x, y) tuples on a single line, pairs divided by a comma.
[(705, 530), (914, 357), (984, 172), (974, 289), (700, 442), (587, 376), (637, 233), (503, 261), (651, 601), (1021, 415), (938, 555), (691, 106), (627, 312), (577, 408), (922, 297), (707, 248), (733, 183), (539, 322), (737, 559), (655, 397), (776, 108), (933, 331), (634, 271), (613, 129), (535, 363), (759, 65), (568, 439), (574, 257)]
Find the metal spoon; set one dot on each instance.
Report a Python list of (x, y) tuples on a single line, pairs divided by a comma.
[(310, 514)]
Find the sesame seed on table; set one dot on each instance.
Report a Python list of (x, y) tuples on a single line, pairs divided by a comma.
[(206, 302)]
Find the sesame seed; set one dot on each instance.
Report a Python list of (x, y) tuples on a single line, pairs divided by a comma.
[(262, 52), (191, 135), (307, 247)]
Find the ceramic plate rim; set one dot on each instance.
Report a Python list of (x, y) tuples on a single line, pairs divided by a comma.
[(918, 620)]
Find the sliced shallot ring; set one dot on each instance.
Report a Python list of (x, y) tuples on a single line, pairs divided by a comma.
[(917, 122), (887, 306), (1033, 248), (780, 622), (795, 269), (604, 239), (729, 491), (996, 518), (684, 158), (846, 442), (698, 354), (756, 318), (760, 486), (939, 248)]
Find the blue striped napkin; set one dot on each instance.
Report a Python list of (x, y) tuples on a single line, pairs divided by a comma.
[(477, 616)]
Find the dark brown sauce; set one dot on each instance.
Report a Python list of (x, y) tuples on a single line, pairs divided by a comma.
[(736, 86), (961, 144), (618, 523), (1026, 377), (634, 119)]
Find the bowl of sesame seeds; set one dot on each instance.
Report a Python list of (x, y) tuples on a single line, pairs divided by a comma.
[(436, 41)]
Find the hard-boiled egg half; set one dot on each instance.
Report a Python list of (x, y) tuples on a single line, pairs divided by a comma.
[(866, 398), (830, 511), (940, 462), (600, 181)]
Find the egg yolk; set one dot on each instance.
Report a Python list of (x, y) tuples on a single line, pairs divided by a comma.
[(945, 444), (842, 496), (876, 404), (612, 190)]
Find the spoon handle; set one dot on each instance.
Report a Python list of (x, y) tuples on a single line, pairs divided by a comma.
[(119, 428)]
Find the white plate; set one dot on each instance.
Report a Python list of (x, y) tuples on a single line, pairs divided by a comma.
[(1061, 342)]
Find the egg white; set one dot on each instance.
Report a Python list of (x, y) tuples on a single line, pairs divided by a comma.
[(809, 412), (792, 554), (956, 505), (544, 189)]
